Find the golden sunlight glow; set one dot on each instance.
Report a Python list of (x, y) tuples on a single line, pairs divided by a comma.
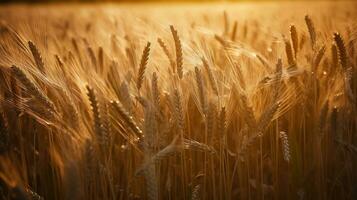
[(178, 100)]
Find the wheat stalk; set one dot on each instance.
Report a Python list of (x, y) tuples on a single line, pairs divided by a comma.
[(155, 91), (222, 41), (234, 31), (323, 118), (226, 23), (263, 61), (149, 171), (92, 57), (150, 126), (151, 183), (77, 50), (278, 75), (101, 58), (89, 158)]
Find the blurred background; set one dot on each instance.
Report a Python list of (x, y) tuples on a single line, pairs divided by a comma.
[(140, 1)]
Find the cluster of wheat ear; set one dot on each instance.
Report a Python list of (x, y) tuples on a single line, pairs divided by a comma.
[(104, 104)]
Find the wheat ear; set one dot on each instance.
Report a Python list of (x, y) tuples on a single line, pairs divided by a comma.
[(167, 52), (156, 94), (98, 121), (178, 112), (342, 53), (294, 40), (143, 64), (37, 56), (285, 146), (125, 97), (311, 29), (33, 195), (289, 54), (211, 78), (250, 119), (319, 57), (200, 87), (32, 88), (222, 121), (198, 146), (267, 117), (196, 192), (178, 48), (128, 119), (4, 134), (210, 120)]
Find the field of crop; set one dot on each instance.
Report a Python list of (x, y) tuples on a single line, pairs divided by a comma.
[(178, 101)]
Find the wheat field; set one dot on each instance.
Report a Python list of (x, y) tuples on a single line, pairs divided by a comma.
[(178, 101)]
